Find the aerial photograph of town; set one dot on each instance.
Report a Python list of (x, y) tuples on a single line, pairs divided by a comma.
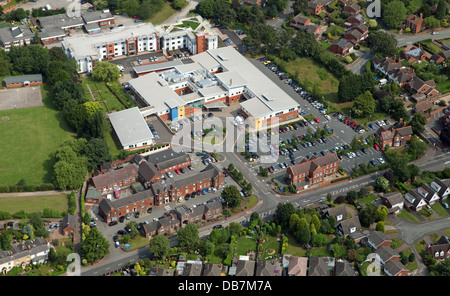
[(224, 138)]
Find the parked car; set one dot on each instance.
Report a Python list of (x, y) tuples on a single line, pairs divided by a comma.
[(112, 223)]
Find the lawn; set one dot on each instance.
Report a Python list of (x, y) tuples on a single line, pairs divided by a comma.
[(443, 86), (101, 94), (14, 204), (160, 17), (246, 244), (312, 75), (28, 139), (404, 214)]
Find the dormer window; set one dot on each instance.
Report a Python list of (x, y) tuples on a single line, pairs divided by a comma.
[(338, 217), (353, 229)]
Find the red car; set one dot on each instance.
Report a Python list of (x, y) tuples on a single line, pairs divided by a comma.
[(177, 171), (353, 124), (116, 193), (347, 121), (270, 169), (317, 120), (376, 147)]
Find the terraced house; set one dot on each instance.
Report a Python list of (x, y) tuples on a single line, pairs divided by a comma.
[(29, 252)]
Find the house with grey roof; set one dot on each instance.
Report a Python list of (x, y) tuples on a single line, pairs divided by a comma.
[(442, 187), (297, 266), (339, 213), (214, 269), (320, 266), (15, 36), (414, 200), (377, 239), (29, 252), (245, 268), (394, 201), (395, 268), (344, 268), (268, 268), (23, 80), (387, 254), (350, 227)]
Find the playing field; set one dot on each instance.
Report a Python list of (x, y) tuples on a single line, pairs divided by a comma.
[(28, 137), (30, 204)]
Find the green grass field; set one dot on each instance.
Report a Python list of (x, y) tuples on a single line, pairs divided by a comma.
[(313, 74), (27, 140), (30, 204)]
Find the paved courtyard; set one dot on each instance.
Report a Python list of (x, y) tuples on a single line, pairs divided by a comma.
[(17, 98)]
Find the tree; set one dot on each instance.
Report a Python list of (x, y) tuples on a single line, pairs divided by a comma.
[(188, 236), (394, 14), (364, 105), (418, 122), (416, 147), (97, 152), (382, 184), (431, 22), (441, 10), (232, 196), (283, 213), (159, 246), (105, 71), (65, 90), (94, 246), (382, 43), (70, 166), (382, 213)]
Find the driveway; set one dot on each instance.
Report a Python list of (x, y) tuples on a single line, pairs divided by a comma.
[(358, 67)]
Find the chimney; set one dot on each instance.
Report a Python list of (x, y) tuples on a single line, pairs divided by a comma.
[(400, 120)]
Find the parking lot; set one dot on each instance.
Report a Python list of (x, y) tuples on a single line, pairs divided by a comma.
[(341, 137)]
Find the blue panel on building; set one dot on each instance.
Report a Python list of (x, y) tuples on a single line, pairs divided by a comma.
[(174, 114)]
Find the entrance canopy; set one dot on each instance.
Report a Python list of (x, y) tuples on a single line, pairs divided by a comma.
[(216, 104)]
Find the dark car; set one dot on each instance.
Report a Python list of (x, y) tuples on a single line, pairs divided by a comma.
[(218, 226), (121, 232), (121, 219), (149, 210), (112, 223), (136, 215)]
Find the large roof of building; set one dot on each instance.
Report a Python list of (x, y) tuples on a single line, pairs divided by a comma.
[(12, 34), (85, 45), (130, 126)]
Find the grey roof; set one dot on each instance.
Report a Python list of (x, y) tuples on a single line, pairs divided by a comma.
[(213, 269), (318, 266), (338, 211), (387, 253), (267, 268), (376, 238), (23, 78), (167, 158), (130, 127), (245, 268), (28, 248), (12, 34), (96, 16), (106, 205), (148, 171), (394, 267), (193, 269), (68, 220), (344, 268), (348, 224)]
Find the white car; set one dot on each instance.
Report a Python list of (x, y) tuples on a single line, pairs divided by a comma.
[(155, 219), (169, 174), (381, 160)]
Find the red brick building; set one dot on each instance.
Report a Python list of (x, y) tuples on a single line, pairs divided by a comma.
[(414, 22), (313, 171), (122, 177), (396, 136)]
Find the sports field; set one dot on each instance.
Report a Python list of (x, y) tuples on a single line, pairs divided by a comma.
[(28, 137), (30, 204)]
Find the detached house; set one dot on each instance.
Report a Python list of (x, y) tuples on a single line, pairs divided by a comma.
[(350, 228), (386, 65), (341, 47), (394, 201), (339, 213), (414, 200), (439, 250), (377, 240), (414, 22), (429, 195), (442, 187), (395, 268), (395, 136), (418, 86), (440, 57), (412, 54), (352, 8), (387, 254), (313, 171)]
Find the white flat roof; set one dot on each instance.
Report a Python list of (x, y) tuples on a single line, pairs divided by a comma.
[(257, 82), (85, 45), (149, 87), (130, 126)]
